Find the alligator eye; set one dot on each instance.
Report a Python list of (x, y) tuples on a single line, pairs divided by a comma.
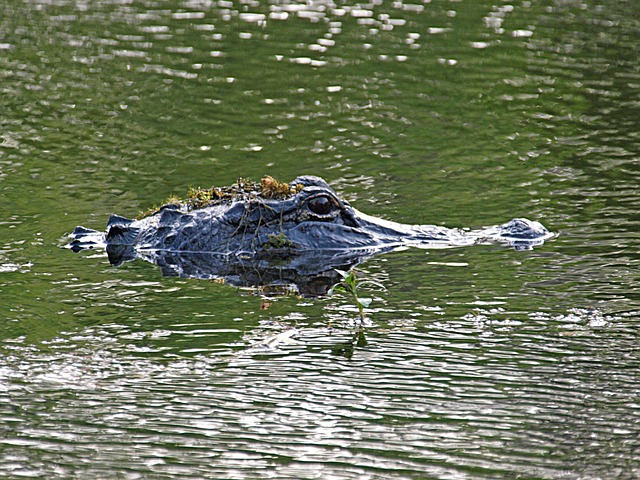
[(321, 205)]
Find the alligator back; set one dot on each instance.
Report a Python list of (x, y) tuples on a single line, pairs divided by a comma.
[(120, 231)]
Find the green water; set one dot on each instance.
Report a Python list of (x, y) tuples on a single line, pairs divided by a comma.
[(475, 363)]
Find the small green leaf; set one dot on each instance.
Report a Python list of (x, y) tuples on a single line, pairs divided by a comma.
[(338, 287), (365, 302), (342, 273)]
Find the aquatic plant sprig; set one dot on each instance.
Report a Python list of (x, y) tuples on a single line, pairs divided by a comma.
[(350, 285)]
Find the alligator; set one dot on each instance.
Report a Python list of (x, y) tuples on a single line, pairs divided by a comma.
[(271, 232)]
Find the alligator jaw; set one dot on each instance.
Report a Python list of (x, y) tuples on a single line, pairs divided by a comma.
[(520, 233)]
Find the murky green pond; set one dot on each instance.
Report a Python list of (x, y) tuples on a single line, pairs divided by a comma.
[(476, 363)]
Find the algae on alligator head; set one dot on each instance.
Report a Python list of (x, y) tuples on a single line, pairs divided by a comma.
[(243, 189)]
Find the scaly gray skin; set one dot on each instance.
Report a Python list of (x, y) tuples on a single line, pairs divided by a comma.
[(305, 235), (311, 220)]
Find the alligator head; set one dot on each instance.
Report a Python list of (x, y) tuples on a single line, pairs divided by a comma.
[(302, 228)]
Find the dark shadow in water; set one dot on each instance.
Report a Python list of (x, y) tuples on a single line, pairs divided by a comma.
[(311, 274)]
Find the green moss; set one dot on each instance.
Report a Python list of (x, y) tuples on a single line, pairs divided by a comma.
[(278, 241), (243, 189), (272, 188)]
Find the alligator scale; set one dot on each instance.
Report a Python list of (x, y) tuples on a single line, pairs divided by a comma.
[(276, 233)]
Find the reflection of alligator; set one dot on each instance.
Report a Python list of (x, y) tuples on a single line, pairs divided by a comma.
[(259, 234)]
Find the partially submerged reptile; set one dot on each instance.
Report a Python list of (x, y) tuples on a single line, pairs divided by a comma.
[(270, 228)]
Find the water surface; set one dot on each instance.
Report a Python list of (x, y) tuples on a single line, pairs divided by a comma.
[(475, 363)]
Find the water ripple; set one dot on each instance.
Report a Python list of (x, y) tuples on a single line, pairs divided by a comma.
[(417, 394), (475, 364)]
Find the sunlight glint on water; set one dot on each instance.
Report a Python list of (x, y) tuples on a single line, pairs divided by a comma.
[(475, 363)]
